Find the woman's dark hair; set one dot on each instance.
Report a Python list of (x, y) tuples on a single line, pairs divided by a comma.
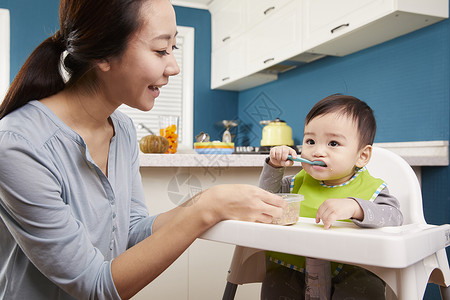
[(358, 110), (90, 30)]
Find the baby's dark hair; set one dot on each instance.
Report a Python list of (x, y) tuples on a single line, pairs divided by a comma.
[(350, 106)]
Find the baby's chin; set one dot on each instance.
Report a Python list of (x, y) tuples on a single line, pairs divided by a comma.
[(325, 178)]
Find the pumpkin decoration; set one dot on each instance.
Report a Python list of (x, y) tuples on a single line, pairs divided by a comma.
[(153, 144)]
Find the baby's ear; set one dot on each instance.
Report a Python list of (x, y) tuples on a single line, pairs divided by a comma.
[(364, 156)]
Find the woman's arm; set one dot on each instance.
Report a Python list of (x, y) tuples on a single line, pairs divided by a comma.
[(175, 230)]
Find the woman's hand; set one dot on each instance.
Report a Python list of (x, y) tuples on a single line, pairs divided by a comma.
[(338, 209), (279, 154), (240, 202)]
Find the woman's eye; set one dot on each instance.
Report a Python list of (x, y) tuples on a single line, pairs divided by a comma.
[(162, 52), (333, 144)]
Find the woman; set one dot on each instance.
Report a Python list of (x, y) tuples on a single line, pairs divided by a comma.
[(73, 219)]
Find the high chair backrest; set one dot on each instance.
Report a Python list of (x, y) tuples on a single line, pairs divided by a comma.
[(401, 181)]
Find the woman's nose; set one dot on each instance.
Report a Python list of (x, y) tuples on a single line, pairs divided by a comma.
[(172, 67)]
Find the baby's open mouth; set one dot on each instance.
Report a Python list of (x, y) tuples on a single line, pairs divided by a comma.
[(319, 163)]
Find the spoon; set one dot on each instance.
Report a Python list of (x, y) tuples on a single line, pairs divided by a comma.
[(142, 126), (316, 163)]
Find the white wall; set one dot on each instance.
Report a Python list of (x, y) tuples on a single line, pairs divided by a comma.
[(4, 52)]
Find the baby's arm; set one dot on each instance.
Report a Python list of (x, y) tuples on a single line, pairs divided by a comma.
[(338, 209), (272, 179), (383, 211)]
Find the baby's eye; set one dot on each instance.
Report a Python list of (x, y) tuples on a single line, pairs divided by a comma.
[(333, 144), (310, 142)]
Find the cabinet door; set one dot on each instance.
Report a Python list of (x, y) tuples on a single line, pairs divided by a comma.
[(227, 63), (257, 10), (276, 39), (325, 20), (227, 22)]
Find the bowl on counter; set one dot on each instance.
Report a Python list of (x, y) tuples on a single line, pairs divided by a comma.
[(214, 148)]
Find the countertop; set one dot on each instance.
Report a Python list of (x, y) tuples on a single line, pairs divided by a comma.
[(429, 153)]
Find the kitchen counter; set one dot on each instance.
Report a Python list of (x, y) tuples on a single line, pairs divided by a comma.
[(417, 154)]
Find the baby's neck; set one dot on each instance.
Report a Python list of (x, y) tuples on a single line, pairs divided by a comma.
[(341, 181)]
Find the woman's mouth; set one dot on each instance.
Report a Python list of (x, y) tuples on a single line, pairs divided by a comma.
[(154, 89)]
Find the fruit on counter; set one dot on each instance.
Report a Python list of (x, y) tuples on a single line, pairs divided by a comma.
[(153, 144), (170, 133)]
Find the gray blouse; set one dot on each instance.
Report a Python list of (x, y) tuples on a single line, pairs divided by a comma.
[(62, 221)]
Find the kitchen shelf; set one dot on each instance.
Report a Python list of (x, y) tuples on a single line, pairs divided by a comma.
[(417, 154)]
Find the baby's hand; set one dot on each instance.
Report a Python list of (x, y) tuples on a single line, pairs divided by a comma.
[(279, 154), (338, 209)]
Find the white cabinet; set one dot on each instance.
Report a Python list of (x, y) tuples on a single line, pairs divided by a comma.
[(269, 31), (228, 21), (229, 68), (343, 27), (275, 39), (228, 62), (257, 10), (255, 40)]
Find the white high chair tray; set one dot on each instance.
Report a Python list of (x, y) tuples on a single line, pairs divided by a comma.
[(390, 247)]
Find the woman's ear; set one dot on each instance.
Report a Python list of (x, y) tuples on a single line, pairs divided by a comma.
[(364, 156), (104, 65)]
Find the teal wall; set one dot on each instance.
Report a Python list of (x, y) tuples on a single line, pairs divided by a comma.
[(31, 23), (406, 81)]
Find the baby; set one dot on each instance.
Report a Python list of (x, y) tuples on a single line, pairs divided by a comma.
[(339, 131)]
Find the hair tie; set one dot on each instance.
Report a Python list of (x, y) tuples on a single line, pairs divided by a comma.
[(59, 40)]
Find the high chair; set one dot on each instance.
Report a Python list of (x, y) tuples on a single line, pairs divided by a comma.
[(405, 282)]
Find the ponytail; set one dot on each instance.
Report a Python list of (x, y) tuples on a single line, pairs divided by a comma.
[(38, 78)]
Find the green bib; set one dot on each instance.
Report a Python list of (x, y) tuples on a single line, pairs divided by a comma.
[(362, 185)]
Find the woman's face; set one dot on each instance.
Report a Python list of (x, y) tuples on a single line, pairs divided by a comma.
[(136, 77)]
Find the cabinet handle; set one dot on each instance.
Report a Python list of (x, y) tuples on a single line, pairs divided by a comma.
[(225, 79), (269, 9), (268, 60), (225, 38), (340, 26)]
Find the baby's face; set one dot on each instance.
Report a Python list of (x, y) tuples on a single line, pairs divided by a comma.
[(332, 138)]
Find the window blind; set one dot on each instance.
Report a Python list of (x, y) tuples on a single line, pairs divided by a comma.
[(4, 52), (176, 98)]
